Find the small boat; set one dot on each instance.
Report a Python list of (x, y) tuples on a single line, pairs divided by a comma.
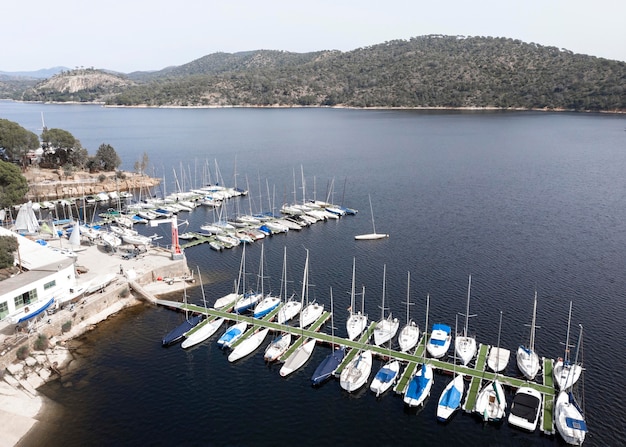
[(439, 341), (464, 345), (374, 235), (277, 347), (99, 283), (357, 321), (525, 409), (201, 332), (450, 399), (569, 419), (491, 402), (387, 327), (329, 365), (419, 386), (410, 333), (385, 377), (356, 373), (248, 346), (232, 334), (498, 357), (298, 358), (565, 372), (527, 359), (74, 293)]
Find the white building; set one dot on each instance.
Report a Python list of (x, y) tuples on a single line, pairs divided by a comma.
[(46, 276)]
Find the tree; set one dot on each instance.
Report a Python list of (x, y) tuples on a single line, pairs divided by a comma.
[(8, 246), (141, 165), (13, 185), (15, 142), (60, 147), (106, 158)]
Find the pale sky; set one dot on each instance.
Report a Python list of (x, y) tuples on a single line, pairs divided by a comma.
[(131, 35)]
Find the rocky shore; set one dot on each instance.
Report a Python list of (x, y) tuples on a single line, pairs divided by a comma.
[(52, 184)]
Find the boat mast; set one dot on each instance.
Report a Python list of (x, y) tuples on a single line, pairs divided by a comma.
[(499, 329), (372, 212), (532, 325), (408, 292), (569, 319), (352, 291)]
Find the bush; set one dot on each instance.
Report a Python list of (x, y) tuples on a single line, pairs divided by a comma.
[(41, 343), (66, 326), (22, 352), (102, 178), (124, 293)]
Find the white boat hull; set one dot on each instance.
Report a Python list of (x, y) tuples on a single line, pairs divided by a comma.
[(310, 313), (409, 337), (445, 408), (525, 409), (465, 348), (527, 362), (355, 325), (202, 331), (491, 402), (385, 330), (289, 311), (277, 347), (298, 358), (248, 346), (385, 377), (356, 373), (569, 421)]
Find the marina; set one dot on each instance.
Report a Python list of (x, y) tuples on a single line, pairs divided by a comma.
[(476, 374)]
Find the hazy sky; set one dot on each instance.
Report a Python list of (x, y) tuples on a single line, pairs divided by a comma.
[(130, 35)]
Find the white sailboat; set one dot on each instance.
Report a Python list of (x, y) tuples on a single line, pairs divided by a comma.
[(356, 372), (498, 357), (290, 307), (357, 321), (565, 372), (298, 358), (311, 311), (267, 302), (410, 333), (204, 329), (491, 402), (385, 377), (277, 347), (232, 334), (440, 338), (248, 345), (450, 399), (527, 358), (387, 327), (464, 345), (374, 235), (422, 381)]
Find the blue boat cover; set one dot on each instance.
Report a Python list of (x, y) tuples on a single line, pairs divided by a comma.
[(230, 334), (452, 398), (576, 424), (36, 312), (442, 327), (328, 366), (176, 334), (386, 375), (417, 386)]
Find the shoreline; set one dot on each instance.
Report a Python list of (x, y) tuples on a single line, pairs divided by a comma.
[(23, 409)]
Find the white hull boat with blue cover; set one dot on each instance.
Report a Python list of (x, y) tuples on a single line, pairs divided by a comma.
[(232, 334), (31, 311), (569, 419), (450, 399), (419, 386), (439, 341), (385, 377)]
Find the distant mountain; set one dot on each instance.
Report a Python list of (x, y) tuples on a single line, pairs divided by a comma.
[(37, 74), (423, 72)]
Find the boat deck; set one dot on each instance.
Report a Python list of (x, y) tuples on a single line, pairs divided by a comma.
[(477, 373)]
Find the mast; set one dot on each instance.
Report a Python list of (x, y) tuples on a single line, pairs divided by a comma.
[(569, 319), (372, 212), (532, 325)]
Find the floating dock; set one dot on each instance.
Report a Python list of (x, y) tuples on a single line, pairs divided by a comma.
[(476, 374)]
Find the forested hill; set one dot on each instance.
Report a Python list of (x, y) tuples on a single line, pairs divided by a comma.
[(427, 71)]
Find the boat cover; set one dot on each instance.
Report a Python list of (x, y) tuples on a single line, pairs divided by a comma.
[(385, 375), (576, 424), (36, 312), (525, 406), (452, 398)]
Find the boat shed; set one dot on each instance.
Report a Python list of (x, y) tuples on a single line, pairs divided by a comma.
[(45, 274)]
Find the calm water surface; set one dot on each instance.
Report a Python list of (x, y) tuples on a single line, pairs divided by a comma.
[(521, 201)]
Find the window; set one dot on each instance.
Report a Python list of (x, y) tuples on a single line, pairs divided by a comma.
[(25, 299), (49, 285), (4, 309)]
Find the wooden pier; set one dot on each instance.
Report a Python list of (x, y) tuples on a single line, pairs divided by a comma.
[(477, 374)]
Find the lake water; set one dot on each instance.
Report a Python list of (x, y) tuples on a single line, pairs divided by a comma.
[(522, 201)]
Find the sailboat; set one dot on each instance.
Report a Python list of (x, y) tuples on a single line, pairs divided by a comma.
[(298, 358), (311, 311), (330, 363), (232, 334), (465, 346), (498, 357), (422, 381), (248, 345), (527, 358), (357, 321), (568, 414), (387, 327), (440, 339), (385, 377), (268, 302), (565, 372), (491, 402), (410, 333), (355, 374), (290, 307), (248, 299), (525, 409), (177, 334), (374, 235), (450, 399), (203, 330), (277, 347)]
